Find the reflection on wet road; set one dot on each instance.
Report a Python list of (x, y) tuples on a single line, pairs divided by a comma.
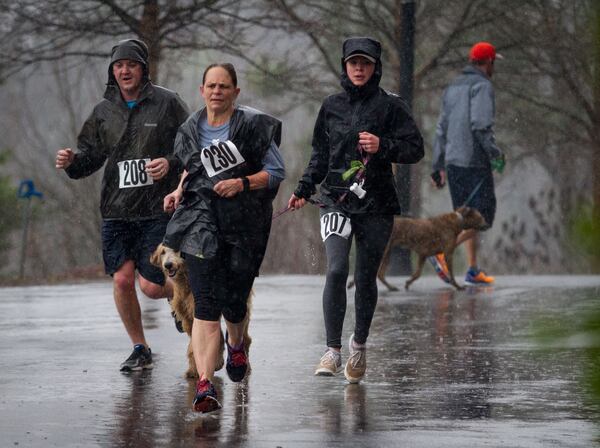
[(446, 369)]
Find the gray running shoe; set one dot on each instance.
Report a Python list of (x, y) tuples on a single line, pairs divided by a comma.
[(140, 359), (330, 364), (356, 366)]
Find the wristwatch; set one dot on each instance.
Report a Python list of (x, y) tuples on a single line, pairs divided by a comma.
[(246, 183)]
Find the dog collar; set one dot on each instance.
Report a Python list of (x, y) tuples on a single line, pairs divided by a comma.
[(461, 218)]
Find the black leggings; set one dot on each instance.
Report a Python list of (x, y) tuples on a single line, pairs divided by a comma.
[(372, 233), (218, 288)]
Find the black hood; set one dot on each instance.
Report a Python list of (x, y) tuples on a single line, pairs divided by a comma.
[(366, 46), (132, 49)]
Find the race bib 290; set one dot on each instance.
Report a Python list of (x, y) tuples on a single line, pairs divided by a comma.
[(220, 157), (132, 173), (335, 223)]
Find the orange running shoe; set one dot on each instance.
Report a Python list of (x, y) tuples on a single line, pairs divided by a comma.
[(476, 276), (441, 268)]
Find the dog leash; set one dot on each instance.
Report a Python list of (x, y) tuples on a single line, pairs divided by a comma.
[(472, 195), (280, 212), (319, 204), (287, 209), (359, 169)]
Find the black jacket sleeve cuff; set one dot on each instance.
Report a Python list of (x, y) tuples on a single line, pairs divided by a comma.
[(303, 191)]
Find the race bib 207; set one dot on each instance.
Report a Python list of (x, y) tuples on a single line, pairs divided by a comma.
[(335, 223)]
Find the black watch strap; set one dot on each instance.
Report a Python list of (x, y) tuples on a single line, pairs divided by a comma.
[(246, 183)]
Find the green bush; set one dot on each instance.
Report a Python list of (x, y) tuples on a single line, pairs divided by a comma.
[(585, 234), (10, 212)]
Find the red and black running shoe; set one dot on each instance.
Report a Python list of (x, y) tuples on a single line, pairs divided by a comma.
[(237, 362), (206, 397)]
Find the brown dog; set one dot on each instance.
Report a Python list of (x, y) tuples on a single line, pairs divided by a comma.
[(182, 303), (428, 237)]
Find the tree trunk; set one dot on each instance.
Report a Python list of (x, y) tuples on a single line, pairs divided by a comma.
[(400, 262), (596, 127), (149, 32)]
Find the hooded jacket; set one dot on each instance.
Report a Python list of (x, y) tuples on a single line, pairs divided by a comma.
[(464, 134), (204, 219), (335, 141), (124, 139)]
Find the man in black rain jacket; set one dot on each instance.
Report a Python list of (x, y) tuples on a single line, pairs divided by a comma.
[(131, 132)]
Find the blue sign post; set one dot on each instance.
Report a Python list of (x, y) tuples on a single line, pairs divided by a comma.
[(26, 191)]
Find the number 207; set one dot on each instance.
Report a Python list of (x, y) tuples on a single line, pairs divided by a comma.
[(332, 223)]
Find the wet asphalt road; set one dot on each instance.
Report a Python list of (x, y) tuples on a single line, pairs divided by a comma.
[(446, 369)]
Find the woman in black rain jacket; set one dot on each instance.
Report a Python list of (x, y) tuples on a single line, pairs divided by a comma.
[(358, 134), (222, 218)]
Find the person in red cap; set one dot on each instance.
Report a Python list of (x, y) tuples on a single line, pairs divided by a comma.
[(465, 151)]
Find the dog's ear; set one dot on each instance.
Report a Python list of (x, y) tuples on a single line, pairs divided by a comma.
[(470, 212), (155, 257), (463, 210)]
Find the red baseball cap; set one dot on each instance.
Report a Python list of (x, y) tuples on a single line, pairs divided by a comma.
[(483, 50)]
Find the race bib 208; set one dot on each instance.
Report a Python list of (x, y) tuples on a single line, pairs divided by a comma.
[(132, 173)]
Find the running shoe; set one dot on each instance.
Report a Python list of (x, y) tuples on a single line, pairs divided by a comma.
[(140, 359), (356, 366), (476, 276), (330, 363), (206, 397), (441, 268), (237, 361)]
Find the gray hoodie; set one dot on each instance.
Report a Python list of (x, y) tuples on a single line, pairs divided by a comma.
[(464, 135)]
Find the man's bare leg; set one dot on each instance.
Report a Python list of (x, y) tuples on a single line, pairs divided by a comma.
[(127, 302)]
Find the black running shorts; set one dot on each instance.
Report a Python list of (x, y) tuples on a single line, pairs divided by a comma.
[(464, 181), (221, 285), (133, 240)]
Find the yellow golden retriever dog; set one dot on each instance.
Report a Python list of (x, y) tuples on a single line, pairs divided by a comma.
[(182, 303)]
